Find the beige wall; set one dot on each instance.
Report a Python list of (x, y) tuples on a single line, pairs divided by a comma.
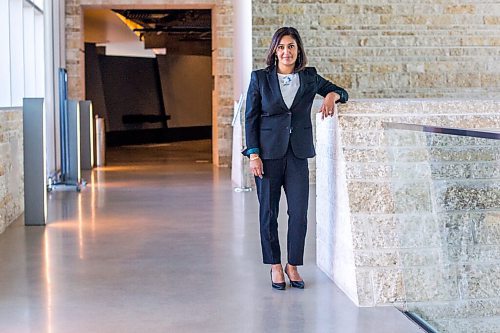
[(222, 58), (11, 166), (187, 89), (384, 48)]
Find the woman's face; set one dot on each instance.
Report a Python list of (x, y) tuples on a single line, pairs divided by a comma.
[(287, 51)]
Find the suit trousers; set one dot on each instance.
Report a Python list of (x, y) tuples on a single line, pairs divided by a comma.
[(292, 174)]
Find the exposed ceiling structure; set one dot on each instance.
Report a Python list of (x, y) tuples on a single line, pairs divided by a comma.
[(186, 31)]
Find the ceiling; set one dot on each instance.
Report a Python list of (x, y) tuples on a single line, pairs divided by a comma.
[(193, 25), (186, 31), (104, 26)]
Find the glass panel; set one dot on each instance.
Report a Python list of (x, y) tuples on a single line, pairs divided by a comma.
[(38, 3), (4, 56), (446, 191), (29, 51), (39, 55), (16, 52)]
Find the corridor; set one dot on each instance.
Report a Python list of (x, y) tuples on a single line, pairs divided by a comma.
[(158, 241)]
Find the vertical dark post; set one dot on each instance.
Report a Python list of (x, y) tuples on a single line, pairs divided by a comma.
[(63, 121), (35, 180), (86, 135), (73, 142)]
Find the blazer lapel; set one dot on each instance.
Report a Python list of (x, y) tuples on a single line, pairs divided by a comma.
[(300, 92), (272, 78)]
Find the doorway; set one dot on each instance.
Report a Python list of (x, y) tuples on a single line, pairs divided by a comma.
[(148, 73)]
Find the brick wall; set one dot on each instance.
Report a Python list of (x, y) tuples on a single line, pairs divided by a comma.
[(11, 166), (222, 68), (384, 48)]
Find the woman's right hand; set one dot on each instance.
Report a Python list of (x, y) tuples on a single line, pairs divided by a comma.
[(256, 166)]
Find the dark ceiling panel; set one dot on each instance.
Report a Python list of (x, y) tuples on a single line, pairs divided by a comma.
[(192, 25), (186, 31)]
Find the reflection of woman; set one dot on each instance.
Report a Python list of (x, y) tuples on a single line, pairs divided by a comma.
[(279, 140)]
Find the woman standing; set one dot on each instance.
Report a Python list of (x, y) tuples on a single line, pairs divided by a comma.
[(279, 141)]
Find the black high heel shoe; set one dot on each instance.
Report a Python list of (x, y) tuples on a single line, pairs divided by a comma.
[(295, 284), (277, 285)]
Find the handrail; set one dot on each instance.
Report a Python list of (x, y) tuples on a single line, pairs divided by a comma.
[(237, 110), (443, 130)]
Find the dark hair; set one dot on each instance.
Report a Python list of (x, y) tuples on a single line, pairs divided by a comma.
[(301, 54)]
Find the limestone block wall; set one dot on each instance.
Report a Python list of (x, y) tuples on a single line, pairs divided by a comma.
[(359, 241), (222, 58), (390, 49), (449, 253), (11, 166)]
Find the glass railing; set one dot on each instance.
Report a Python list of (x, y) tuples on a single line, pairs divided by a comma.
[(445, 185)]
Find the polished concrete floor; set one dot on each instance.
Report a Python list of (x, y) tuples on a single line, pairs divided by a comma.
[(158, 241)]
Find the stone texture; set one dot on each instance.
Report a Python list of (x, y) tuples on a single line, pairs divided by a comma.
[(424, 209), (384, 258), (412, 197), (11, 166), (431, 283), (456, 317), (364, 281), (368, 197), (485, 169), (388, 286), (477, 195), (392, 49)]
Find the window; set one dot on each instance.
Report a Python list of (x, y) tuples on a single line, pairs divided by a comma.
[(22, 24), (4, 56)]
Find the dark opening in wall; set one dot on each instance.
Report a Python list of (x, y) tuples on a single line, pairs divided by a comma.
[(154, 99)]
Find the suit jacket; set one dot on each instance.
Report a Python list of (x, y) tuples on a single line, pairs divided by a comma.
[(270, 125)]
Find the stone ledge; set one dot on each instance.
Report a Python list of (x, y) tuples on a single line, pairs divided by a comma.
[(419, 107), (398, 218)]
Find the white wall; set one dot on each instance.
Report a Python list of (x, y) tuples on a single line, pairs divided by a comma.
[(187, 89), (54, 42), (104, 28), (16, 48), (29, 52), (4, 56), (242, 46), (128, 49), (22, 66)]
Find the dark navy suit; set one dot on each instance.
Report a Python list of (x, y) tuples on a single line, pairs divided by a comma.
[(285, 140)]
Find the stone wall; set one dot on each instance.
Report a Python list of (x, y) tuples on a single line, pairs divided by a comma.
[(222, 58), (388, 49), (357, 217), (448, 187), (11, 166), (412, 219)]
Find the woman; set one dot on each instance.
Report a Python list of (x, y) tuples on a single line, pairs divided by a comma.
[(279, 141)]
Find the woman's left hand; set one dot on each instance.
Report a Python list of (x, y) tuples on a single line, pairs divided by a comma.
[(329, 108)]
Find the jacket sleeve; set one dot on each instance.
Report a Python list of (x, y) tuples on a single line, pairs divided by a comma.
[(324, 87), (253, 110)]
